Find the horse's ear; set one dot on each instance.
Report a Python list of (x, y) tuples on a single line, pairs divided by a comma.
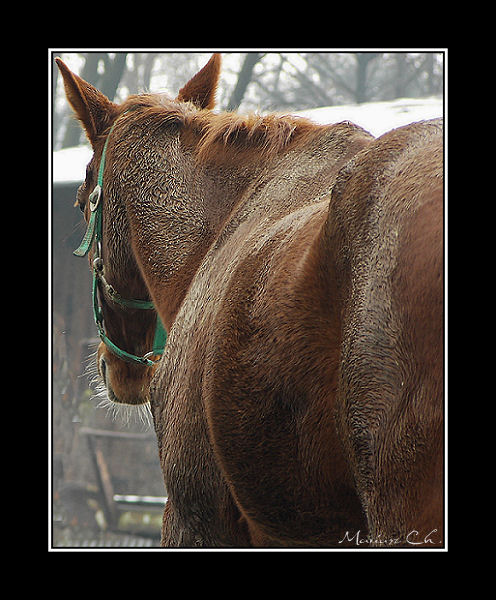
[(201, 88), (92, 108)]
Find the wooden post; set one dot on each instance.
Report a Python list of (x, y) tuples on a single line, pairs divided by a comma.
[(106, 490)]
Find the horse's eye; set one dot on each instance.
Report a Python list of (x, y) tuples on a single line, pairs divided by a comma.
[(78, 198)]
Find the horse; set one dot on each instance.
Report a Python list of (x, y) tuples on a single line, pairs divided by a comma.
[(298, 271)]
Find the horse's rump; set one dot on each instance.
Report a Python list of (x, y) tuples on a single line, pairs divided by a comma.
[(255, 343), (386, 221)]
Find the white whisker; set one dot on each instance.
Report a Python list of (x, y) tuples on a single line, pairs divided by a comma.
[(127, 414)]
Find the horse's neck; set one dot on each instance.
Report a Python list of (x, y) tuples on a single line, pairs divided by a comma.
[(183, 210), (172, 236)]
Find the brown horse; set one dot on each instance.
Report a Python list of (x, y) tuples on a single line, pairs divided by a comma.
[(298, 269)]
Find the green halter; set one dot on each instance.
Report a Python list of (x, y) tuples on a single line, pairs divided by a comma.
[(94, 234)]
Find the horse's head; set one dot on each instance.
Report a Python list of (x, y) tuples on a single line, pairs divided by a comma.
[(123, 307)]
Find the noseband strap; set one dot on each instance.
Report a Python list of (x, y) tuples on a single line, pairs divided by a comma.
[(93, 236)]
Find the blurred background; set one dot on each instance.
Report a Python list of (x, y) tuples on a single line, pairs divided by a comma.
[(106, 485), (263, 81)]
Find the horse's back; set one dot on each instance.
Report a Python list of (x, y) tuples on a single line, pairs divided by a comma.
[(299, 302), (386, 224), (252, 360)]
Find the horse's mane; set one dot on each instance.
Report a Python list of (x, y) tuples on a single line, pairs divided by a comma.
[(264, 134)]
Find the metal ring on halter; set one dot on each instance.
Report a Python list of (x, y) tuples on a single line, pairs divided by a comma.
[(94, 198), (152, 353)]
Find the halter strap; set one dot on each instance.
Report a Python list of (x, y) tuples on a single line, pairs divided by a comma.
[(95, 207), (94, 234)]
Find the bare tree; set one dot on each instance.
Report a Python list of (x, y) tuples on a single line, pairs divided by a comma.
[(112, 74), (265, 81), (362, 63), (244, 79)]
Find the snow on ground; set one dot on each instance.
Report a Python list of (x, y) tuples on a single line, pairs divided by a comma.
[(376, 117), (379, 117), (69, 164)]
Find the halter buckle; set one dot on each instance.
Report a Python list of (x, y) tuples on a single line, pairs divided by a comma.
[(94, 198)]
